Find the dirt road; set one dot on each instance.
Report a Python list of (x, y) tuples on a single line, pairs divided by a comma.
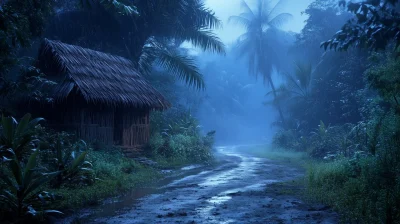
[(243, 189)]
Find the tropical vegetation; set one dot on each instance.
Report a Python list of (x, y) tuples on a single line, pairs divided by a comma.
[(260, 42), (45, 173), (335, 87), (341, 108)]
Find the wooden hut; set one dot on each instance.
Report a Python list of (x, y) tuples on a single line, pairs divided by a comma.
[(98, 96)]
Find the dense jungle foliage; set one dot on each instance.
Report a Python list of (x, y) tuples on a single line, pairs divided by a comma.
[(340, 105), (334, 87), (44, 173)]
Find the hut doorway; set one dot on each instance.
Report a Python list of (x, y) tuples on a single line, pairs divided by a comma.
[(131, 127)]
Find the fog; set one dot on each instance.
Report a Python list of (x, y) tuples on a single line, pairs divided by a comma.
[(200, 111), (225, 8), (235, 102)]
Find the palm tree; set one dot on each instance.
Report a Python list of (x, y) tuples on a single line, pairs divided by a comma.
[(297, 85), (295, 93), (115, 6), (257, 43), (156, 28), (300, 82)]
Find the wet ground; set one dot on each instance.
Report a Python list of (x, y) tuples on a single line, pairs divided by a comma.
[(243, 189)]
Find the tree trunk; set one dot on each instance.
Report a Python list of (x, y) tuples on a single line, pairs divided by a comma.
[(277, 105)]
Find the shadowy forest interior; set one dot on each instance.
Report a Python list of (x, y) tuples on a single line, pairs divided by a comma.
[(200, 111)]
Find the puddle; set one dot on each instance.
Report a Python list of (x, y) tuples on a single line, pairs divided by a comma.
[(166, 171), (233, 192), (246, 167), (191, 167), (219, 199)]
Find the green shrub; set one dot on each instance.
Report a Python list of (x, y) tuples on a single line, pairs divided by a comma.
[(364, 185), (176, 139), (360, 189), (115, 174), (18, 138), (22, 196), (325, 141), (22, 178), (156, 143), (285, 139), (180, 145), (26, 182)]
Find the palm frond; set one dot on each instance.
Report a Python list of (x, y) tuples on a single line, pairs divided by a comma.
[(204, 39), (246, 8), (115, 6), (280, 89), (279, 20), (281, 94), (119, 7), (147, 58), (294, 85), (277, 9), (206, 17), (182, 66), (303, 72), (247, 44), (300, 81), (242, 38), (239, 20)]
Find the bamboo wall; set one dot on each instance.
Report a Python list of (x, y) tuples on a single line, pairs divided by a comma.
[(97, 125), (136, 129), (125, 127)]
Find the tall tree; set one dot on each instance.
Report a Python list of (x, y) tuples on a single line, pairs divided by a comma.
[(147, 31), (335, 94), (324, 19), (21, 22), (258, 42), (375, 26)]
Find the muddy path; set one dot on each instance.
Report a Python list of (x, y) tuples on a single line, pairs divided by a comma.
[(243, 189)]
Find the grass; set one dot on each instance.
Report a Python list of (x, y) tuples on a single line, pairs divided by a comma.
[(330, 183), (360, 190), (269, 152), (354, 188), (356, 191), (116, 175), (325, 180)]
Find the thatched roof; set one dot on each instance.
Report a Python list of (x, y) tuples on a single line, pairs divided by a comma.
[(97, 76)]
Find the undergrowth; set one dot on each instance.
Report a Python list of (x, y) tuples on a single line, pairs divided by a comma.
[(116, 174), (360, 194), (44, 172), (176, 140)]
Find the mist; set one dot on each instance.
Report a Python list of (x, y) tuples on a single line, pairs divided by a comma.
[(230, 32), (235, 103), (199, 111)]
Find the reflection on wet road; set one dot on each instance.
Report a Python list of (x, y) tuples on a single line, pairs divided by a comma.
[(235, 192)]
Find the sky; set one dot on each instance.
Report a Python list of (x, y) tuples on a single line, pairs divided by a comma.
[(225, 8)]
